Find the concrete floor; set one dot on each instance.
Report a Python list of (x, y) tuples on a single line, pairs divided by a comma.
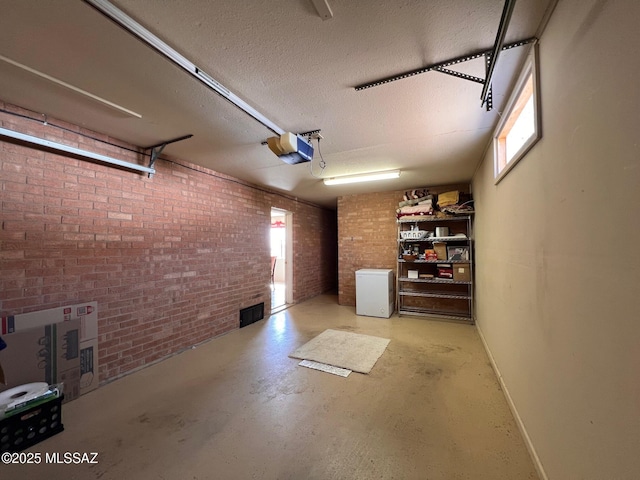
[(238, 408), (278, 296)]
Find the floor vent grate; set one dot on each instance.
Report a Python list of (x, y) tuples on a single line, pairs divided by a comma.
[(251, 315)]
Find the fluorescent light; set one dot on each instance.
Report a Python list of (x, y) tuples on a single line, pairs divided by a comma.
[(365, 177)]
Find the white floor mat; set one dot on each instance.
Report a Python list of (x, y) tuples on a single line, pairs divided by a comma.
[(323, 367)]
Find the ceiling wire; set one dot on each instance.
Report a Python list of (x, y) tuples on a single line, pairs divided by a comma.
[(85, 135), (322, 164)]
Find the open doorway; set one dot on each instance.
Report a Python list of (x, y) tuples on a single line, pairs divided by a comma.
[(281, 255)]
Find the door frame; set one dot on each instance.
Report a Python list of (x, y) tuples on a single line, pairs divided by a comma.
[(288, 253)]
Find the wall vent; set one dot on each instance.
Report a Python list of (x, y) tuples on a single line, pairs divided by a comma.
[(251, 315)]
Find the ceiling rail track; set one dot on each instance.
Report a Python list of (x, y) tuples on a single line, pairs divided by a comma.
[(441, 67), (129, 24), (491, 58)]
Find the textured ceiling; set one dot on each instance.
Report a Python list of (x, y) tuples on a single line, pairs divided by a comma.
[(285, 61)]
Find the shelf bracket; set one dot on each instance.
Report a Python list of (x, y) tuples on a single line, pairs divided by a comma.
[(156, 150), (489, 99)]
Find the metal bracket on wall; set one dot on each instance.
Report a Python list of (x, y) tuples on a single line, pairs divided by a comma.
[(441, 67), (489, 101), (156, 150)]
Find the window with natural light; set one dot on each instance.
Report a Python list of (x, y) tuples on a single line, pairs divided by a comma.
[(519, 128), (278, 238)]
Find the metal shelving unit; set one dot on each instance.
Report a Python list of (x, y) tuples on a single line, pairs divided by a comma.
[(430, 261), (435, 314), (435, 295), (445, 298)]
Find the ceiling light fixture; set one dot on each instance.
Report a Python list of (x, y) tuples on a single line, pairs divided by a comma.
[(365, 177)]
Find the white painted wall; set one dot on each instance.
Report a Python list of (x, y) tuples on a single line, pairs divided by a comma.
[(558, 251)]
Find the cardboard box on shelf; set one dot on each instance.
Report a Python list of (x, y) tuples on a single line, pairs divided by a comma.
[(412, 273), (50, 354), (441, 250), (461, 272)]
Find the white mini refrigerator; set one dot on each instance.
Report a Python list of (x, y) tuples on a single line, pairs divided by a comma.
[(375, 292)]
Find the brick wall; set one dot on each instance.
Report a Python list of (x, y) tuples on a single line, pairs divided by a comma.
[(315, 248), (367, 235), (170, 259)]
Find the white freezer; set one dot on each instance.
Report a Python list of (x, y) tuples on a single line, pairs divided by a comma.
[(375, 292)]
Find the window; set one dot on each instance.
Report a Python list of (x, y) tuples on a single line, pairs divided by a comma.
[(519, 128), (278, 235), (277, 242)]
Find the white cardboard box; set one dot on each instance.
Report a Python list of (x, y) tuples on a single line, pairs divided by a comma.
[(86, 313), (49, 353)]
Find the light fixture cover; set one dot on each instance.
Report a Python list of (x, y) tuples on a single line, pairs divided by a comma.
[(365, 177), (323, 9)]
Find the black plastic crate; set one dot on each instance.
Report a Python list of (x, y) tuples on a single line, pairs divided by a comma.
[(24, 429)]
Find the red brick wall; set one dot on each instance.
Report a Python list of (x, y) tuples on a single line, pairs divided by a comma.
[(315, 248), (170, 259), (368, 233)]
